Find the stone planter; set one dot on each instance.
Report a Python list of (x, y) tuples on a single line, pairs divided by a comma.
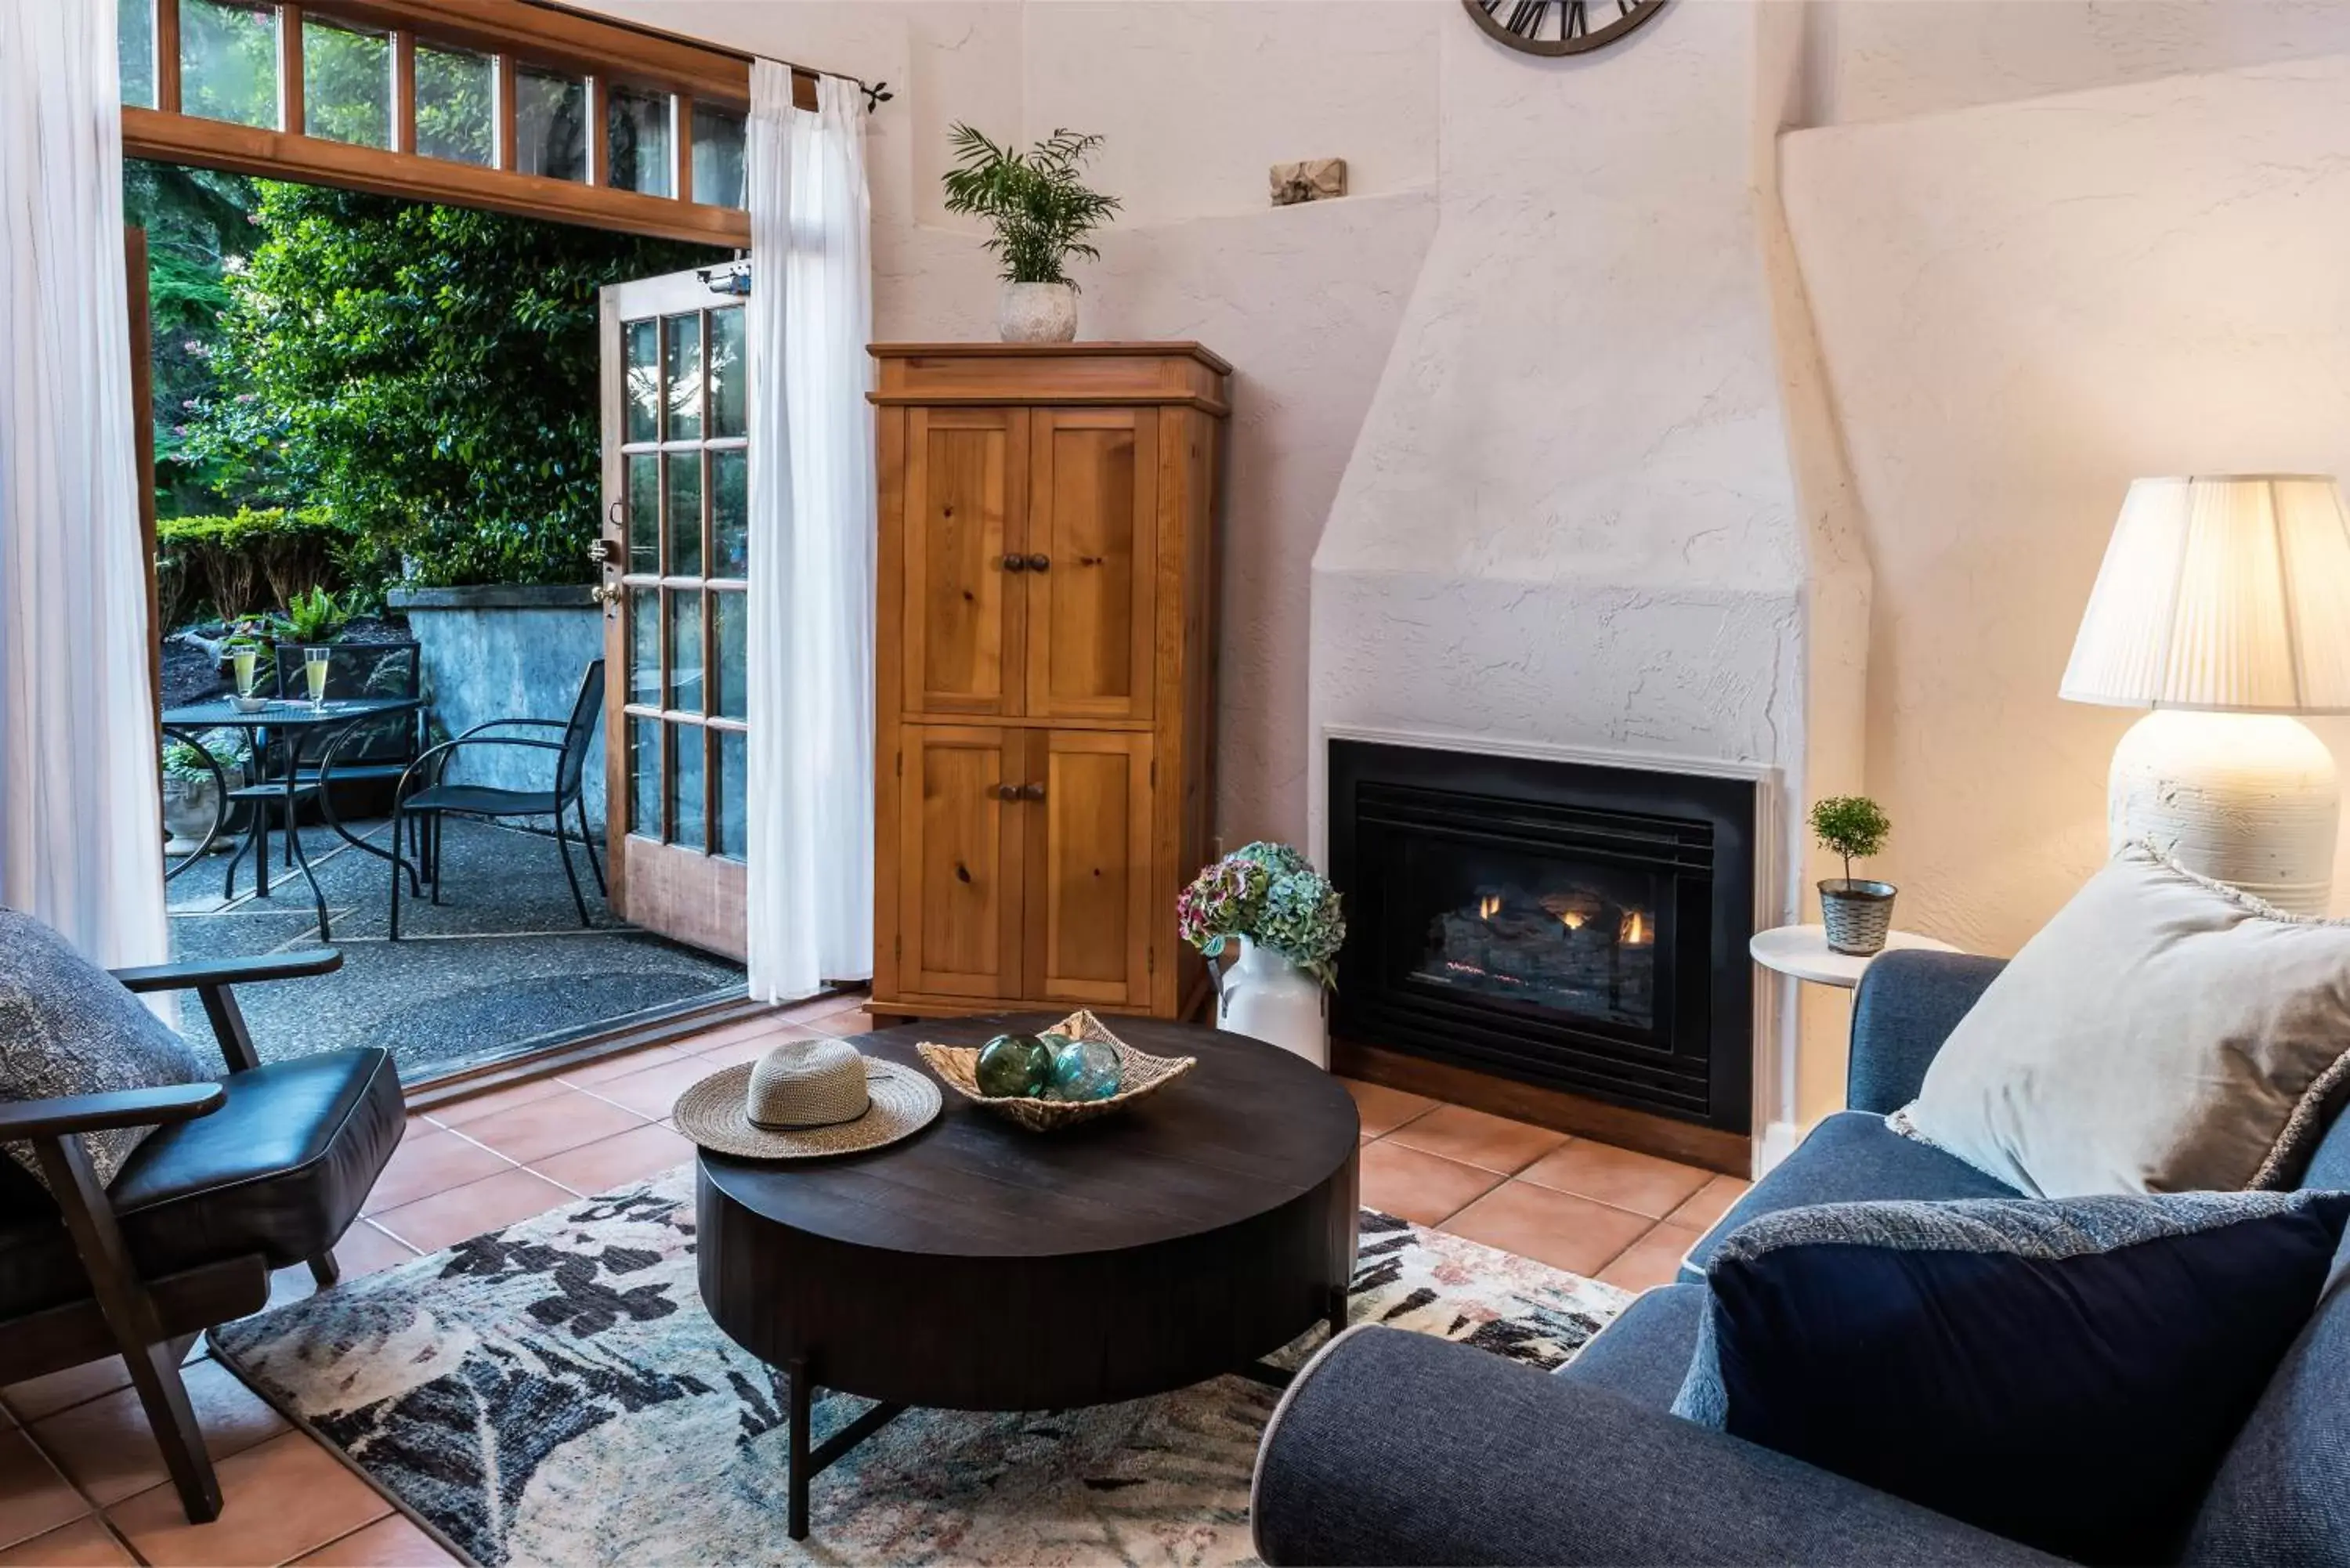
[(1037, 313), (191, 806), (507, 653)]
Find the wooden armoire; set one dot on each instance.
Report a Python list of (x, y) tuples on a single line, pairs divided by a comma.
[(1046, 666)]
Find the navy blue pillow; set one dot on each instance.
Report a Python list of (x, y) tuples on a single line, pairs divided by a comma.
[(2064, 1373)]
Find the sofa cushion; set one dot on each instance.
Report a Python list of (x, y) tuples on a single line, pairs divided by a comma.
[(1850, 1157), (1644, 1354), (67, 1027), (280, 1169), (2164, 1032), (2280, 1499), (2068, 1373)]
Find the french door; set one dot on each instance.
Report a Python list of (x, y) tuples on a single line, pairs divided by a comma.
[(676, 540)]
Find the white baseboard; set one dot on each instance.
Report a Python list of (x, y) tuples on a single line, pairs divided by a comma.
[(1778, 1141)]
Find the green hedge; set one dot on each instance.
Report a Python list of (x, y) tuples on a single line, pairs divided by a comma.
[(257, 558)]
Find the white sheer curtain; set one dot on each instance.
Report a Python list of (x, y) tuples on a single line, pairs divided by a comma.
[(810, 765), (79, 819)]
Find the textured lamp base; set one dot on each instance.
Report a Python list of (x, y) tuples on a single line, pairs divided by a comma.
[(2248, 799)]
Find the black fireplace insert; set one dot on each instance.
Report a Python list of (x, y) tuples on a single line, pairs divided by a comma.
[(1573, 927)]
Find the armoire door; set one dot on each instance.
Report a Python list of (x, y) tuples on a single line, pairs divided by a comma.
[(1088, 894), (964, 492), (959, 858), (1090, 555)]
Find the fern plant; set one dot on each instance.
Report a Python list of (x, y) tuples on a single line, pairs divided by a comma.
[(1040, 207)]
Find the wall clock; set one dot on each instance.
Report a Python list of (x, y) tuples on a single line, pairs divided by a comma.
[(1560, 27)]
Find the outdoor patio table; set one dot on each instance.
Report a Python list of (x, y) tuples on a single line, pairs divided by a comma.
[(306, 728)]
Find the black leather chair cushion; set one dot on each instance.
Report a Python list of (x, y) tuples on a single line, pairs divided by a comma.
[(280, 1169)]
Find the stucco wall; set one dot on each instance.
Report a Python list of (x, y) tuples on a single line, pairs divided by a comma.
[(2024, 307)]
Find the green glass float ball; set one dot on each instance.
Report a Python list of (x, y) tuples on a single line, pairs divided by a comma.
[(1084, 1070), (1013, 1067)]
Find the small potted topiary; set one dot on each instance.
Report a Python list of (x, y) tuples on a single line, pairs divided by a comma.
[(1858, 912)]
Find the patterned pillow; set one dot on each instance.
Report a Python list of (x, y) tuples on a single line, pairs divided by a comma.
[(66, 1027), (2064, 1373)]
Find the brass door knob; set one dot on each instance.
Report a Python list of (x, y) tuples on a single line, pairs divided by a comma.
[(1040, 562), (605, 594)]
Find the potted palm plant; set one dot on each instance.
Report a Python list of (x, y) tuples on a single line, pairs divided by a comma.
[(1856, 913), (1042, 213)]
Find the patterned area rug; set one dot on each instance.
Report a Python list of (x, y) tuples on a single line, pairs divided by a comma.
[(554, 1393)]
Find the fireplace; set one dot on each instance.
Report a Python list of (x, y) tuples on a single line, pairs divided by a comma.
[(1571, 926)]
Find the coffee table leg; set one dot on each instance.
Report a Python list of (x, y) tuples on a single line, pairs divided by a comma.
[(797, 1525)]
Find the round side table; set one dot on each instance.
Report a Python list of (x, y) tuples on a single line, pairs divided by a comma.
[(1804, 951)]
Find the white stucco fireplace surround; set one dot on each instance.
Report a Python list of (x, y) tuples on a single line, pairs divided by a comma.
[(1569, 527)]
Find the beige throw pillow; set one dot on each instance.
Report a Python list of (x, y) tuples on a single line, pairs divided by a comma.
[(2163, 1033)]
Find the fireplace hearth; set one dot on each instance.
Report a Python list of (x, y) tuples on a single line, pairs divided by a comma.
[(1574, 928)]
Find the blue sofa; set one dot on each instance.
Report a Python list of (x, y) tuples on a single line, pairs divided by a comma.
[(1399, 1448)]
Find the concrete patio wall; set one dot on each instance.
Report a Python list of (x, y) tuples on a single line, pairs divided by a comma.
[(507, 653)]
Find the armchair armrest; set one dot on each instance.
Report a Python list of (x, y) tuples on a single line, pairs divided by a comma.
[(66, 1113), (1907, 1004), (1399, 1447), (197, 975)]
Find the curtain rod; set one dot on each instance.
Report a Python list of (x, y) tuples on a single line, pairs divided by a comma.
[(876, 93)]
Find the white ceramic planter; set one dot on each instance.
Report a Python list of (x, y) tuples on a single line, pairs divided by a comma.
[(1264, 996), (1036, 313)]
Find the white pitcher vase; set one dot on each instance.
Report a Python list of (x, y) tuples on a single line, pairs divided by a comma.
[(1268, 998)]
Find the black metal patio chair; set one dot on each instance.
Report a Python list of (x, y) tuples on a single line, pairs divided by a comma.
[(436, 800)]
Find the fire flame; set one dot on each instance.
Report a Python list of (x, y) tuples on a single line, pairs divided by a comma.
[(1571, 919), (1489, 906), (1635, 931)]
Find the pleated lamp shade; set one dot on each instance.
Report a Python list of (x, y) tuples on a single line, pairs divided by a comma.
[(2228, 592)]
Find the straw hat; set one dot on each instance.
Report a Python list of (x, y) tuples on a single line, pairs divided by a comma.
[(806, 1097)]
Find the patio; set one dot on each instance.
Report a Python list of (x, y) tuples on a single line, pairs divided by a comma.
[(499, 965)]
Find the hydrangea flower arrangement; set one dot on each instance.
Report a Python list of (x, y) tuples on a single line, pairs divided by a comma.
[(1271, 895)]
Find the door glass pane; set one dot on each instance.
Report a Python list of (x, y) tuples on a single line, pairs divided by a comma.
[(730, 793), (717, 155), (684, 513), (134, 52), (644, 514), (685, 650), (644, 646), (644, 777), (550, 124), (637, 124), (684, 367), (730, 514), (730, 372), (228, 62), (640, 379), (346, 84), (727, 700), (686, 809), (455, 100)]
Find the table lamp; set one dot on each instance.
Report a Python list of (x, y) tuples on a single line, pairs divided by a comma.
[(2224, 605)]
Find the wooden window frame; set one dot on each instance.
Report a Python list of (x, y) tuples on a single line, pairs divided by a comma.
[(602, 52)]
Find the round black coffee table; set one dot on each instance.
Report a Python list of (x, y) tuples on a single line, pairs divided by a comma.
[(976, 1266)]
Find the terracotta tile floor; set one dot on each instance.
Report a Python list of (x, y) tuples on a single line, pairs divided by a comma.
[(80, 1481)]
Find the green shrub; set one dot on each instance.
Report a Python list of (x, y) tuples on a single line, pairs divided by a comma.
[(1851, 826), (250, 559)]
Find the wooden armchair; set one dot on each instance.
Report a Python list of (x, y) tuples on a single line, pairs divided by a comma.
[(264, 1169)]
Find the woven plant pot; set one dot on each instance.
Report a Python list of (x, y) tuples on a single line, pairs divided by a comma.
[(1138, 1075), (1858, 915)]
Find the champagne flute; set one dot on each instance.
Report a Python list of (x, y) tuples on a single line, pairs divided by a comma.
[(314, 671), (246, 663)]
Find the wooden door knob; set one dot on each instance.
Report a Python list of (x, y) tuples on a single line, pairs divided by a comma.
[(1016, 563)]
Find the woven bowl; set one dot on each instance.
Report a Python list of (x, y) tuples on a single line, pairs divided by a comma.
[(1138, 1075)]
